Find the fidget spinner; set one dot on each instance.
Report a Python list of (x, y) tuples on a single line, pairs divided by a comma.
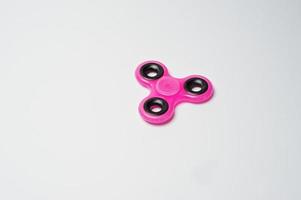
[(166, 92)]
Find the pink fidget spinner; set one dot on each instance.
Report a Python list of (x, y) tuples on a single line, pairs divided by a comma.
[(166, 92)]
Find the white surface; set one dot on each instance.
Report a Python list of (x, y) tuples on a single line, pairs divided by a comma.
[(69, 127)]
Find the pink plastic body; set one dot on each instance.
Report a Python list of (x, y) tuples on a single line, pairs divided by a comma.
[(170, 89)]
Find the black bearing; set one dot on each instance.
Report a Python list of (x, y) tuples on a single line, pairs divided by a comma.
[(158, 103), (196, 86), (152, 71)]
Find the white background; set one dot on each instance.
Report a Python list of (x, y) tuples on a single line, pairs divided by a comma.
[(69, 126)]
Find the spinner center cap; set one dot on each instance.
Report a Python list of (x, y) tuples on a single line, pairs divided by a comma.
[(168, 86)]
